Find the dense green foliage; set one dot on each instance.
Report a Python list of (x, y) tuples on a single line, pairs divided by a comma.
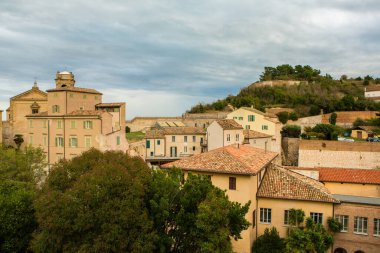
[(308, 98), (110, 202), (270, 241), (291, 131), (332, 119), (296, 217), (323, 132), (312, 238), (334, 225), (20, 171)]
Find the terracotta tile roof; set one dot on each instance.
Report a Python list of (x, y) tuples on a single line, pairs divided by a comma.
[(253, 110), (281, 183), (38, 114), (368, 128), (244, 160), (155, 134), (251, 134), (109, 104), (372, 88), (160, 133), (229, 124), (77, 89), (341, 175)]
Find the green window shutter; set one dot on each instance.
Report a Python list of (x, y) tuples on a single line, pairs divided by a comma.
[(148, 144)]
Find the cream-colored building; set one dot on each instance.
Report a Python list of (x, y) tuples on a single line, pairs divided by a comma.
[(28, 102), (75, 120), (239, 171), (173, 143), (372, 92), (252, 119), (224, 132), (257, 140)]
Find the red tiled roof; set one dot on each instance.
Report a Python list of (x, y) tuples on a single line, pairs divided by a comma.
[(281, 183), (372, 88), (251, 134), (77, 89), (229, 124), (230, 160), (341, 175)]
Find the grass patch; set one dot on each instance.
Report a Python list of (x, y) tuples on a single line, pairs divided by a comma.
[(135, 136)]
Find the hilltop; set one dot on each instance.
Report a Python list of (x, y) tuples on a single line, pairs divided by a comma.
[(302, 88)]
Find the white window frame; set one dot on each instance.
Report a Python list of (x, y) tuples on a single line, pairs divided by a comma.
[(55, 108), (237, 137), (228, 137), (89, 143), (265, 215), (87, 124), (59, 124), (71, 141), (317, 217), (344, 220), (286, 217), (185, 138), (376, 227), (59, 141), (361, 225)]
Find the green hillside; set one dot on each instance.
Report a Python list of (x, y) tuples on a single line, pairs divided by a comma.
[(315, 92)]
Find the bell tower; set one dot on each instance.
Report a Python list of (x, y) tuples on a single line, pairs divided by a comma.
[(64, 79)]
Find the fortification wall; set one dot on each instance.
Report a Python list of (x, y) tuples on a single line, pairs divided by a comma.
[(321, 153)]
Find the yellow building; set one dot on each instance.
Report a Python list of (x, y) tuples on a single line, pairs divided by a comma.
[(251, 174), (75, 120), (363, 132), (224, 132), (173, 143), (28, 102), (252, 119)]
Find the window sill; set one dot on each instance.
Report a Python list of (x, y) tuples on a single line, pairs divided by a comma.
[(377, 235), (358, 233), (265, 223)]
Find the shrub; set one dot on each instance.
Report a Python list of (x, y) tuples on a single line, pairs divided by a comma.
[(291, 131)]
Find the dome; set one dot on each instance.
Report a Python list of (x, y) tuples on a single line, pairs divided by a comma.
[(65, 73)]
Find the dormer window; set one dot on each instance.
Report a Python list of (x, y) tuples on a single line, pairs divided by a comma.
[(35, 108), (34, 111)]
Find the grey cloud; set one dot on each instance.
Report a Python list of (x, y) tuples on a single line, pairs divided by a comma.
[(196, 48)]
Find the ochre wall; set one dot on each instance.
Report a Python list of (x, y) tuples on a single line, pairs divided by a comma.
[(365, 190)]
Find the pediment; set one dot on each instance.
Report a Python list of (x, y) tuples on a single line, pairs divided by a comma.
[(31, 95)]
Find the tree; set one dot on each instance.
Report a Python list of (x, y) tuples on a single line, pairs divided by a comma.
[(20, 171), (330, 132), (296, 217), (293, 116), (193, 215), (270, 241), (283, 117), (95, 203), (291, 131), (312, 238), (332, 118)]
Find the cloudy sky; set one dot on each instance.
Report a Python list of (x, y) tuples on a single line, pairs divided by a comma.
[(161, 57)]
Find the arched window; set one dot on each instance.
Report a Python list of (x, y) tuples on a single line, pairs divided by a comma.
[(359, 251), (55, 108), (340, 250)]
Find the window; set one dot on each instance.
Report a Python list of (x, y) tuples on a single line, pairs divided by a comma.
[(73, 142), (360, 225), (185, 149), (30, 123), (59, 141), (71, 95), (59, 124), (317, 217), (235, 118), (228, 137), (147, 143), (87, 124), (73, 124), (344, 220), (376, 226), (286, 217), (232, 183), (240, 118), (45, 140), (265, 215), (87, 142), (118, 140), (96, 97), (55, 108), (31, 139), (184, 138), (59, 157), (173, 138), (247, 127), (251, 118), (84, 96), (151, 153), (264, 127), (34, 111), (194, 138), (237, 137), (45, 122), (158, 142), (253, 218), (193, 148)]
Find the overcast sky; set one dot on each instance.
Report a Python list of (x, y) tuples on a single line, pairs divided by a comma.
[(162, 56)]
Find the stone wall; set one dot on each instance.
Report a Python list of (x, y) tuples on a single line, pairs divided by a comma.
[(290, 147), (321, 153)]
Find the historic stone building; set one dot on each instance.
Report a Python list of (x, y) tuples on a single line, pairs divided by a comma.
[(66, 120)]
